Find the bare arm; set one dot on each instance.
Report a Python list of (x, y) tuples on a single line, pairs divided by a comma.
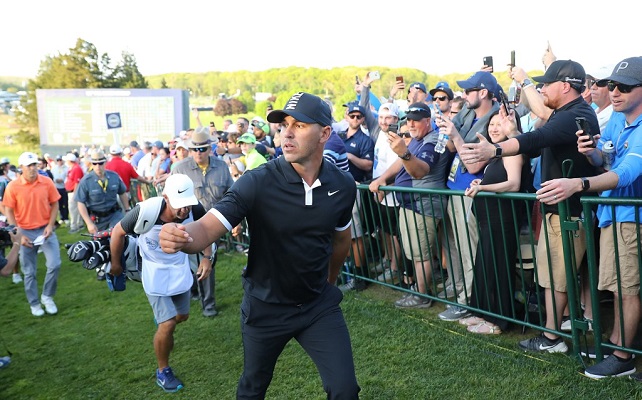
[(556, 190), (116, 246), (193, 237), (341, 242)]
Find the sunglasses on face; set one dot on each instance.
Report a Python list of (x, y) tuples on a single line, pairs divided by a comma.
[(620, 86), (355, 116), (467, 91), (405, 134), (201, 149), (440, 98), (590, 82), (98, 163)]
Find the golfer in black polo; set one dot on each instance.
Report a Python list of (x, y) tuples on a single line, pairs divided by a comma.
[(296, 252)]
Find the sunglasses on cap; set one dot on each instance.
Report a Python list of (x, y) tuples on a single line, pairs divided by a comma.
[(417, 110), (475, 89), (620, 86), (355, 116), (440, 98), (201, 149)]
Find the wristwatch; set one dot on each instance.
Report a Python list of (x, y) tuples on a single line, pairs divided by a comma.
[(406, 156), (586, 185), (498, 150), (526, 82)]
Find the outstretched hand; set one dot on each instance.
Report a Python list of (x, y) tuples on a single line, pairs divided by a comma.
[(173, 238), (477, 152)]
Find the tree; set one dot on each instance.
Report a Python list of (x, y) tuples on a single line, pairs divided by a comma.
[(81, 68)]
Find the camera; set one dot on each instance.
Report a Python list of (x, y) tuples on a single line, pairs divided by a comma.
[(5, 237)]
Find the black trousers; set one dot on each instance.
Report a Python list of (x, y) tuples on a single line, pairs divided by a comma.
[(320, 329), (63, 205)]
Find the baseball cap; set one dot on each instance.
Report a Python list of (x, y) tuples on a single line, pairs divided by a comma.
[(445, 89), (306, 108), (418, 111), (418, 85), (179, 189), (247, 138), (58, 157), (389, 109), (158, 144), (261, 124), (627, 71), (182, 144), (480, 80), (70, 157), (27, 158), (133, 143), (4, 160), (564, 71), (352, 107), (115, 149)]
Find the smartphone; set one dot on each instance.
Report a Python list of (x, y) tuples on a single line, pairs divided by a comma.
[(488, 62), (504, 100), (512, 58), (356, 79), (582, 124), (394, 128), (374, 75), (399, 79)]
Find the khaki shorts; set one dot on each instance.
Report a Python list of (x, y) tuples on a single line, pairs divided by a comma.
[(418, 235), (629, 259), (551, 246)]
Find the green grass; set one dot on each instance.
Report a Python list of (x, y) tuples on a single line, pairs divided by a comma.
[(99, 346)]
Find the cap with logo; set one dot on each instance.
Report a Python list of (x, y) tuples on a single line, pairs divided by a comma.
[(247, 138), (179, 190), (627, 71), (564, 71), (480, 80), (388, 109), (259, 123), (418, 85), (355, 107), (418, 111), (443, 87), (27, 158), (304, 107)]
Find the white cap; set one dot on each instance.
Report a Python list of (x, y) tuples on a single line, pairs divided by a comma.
[(389, 109), (179, 189), (27, 158), (182, 144), (115, 149), (70, 157)]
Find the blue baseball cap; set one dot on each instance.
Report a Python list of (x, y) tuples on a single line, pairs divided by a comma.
[(352, 107), (418, 85), (480, 80)]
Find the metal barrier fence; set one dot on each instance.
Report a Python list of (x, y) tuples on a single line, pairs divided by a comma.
[(486, 260)]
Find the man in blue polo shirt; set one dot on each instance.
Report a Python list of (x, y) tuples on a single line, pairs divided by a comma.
[(293, 262)]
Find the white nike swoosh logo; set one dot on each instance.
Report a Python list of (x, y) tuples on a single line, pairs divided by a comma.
[(332, 193)]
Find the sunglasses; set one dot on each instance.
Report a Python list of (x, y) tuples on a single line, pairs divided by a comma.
[(591, 82), (472, 90), (201, 149), (98, 163), (417, 109), (620, 86), (355, 116), (440, 98), (405, 134)]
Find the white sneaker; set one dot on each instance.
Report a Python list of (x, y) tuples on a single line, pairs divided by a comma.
[(49, 304), (16, 278), (37, 311)]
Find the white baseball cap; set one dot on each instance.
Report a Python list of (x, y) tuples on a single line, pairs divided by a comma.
[(179, 189), (70, 157), (115, 149), (27, 158)]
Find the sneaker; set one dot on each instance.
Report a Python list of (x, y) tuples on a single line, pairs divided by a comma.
[(100, 275), (167, 381), (210, 312), (541, 343), (5, 361), (37, 311), (74, 230), (590, 351), (49, 304), (16, 278), (566, 324), (354, 284), (388, 275), (379, 268), (413, 301), (612, 366), (448, 293), (453, 313), (636, 377)]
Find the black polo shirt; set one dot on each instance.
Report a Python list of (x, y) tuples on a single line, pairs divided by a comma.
[(290, 230)]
